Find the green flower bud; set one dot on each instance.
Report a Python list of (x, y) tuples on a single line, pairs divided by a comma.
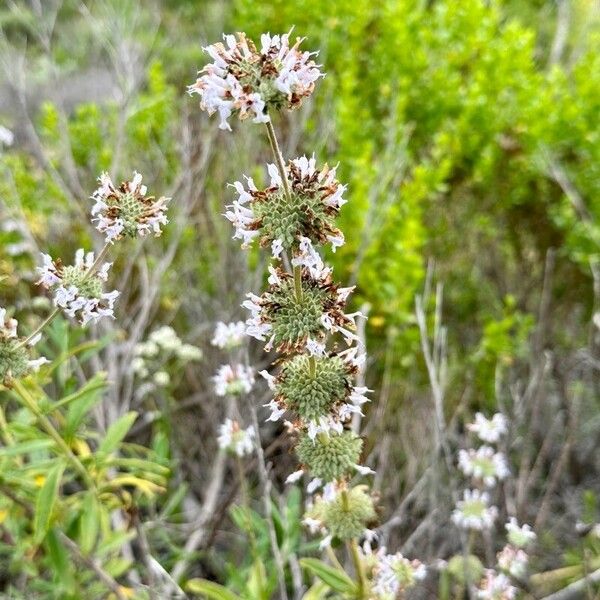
[(313, 394), (330, 456)]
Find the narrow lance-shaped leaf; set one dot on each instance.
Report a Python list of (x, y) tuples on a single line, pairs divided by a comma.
[(46, 499)]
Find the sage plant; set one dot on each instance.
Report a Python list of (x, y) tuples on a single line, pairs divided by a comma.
[(302, 313)]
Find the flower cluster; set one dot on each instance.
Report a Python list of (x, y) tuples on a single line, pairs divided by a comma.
[(276, 219), (341, 512), (297, 313), (162, 346), (233, 380), (486, 467), (496, 586), (126, 210), (474, 511), (15, 360), (246, 81), (77, 288), (489, 430), (394, 574), (234, 439), (229, 335)]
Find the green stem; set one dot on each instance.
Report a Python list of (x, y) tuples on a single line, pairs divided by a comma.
[(358, 567), (298, 283), (279, 160), (31, 404), (312, 366), (55, 312)]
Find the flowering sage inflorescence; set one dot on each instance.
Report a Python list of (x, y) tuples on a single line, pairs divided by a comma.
[(302, 312)]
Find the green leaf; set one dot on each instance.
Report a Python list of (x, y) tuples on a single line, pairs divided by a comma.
[(333, 577), (60, 561), (317, 592), (26, 447), (46, 499), (89, 523), (117, 432), (210, 589)]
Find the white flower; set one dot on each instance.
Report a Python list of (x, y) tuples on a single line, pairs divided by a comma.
[(269, 378), (519, 536), (363, 470), (513, 561), (78, 290), (235, 439), (126, 210), (323, 425), (315, 348), (138, 366), (276, 411), (161, 378), (394, 574), (496, 586), (295, 476), (233, 380), (166, 338), (483, 464), (474, 512), (7, 137), (148, 349), (489, 430), (188, 352)]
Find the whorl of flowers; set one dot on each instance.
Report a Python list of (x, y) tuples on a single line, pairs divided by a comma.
[(489, 430), (296, 311), (484, 464), (519, 536), (247, 82), (77, 288), (233, 380), (126, 211), (474, 511), (394, 574), (235, 439), (229, 335), (341, 512), (513, 561), (15, 360), (496, 586), (279, 221)]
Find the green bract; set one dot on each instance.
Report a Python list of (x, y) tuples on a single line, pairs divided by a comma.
[(330, 456), (14, 359), (347, 515), (313, 394), (87, 286), (294, 321), (304, 215)]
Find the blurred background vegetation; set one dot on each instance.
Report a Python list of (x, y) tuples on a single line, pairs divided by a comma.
[(468, 134)]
